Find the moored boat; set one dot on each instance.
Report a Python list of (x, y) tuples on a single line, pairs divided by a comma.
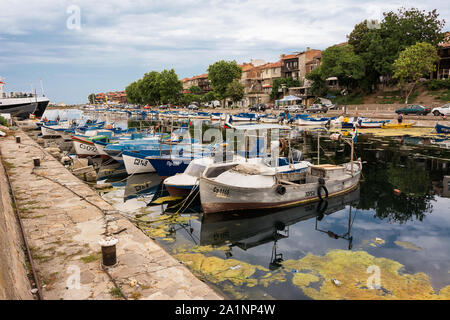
[(397, 125), (442, 129), (236, 187)]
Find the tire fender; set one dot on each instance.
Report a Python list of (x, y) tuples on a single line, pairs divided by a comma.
[(321, 189)]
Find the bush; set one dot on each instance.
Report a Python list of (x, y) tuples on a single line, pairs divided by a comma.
[(434, 84), (3, 121)]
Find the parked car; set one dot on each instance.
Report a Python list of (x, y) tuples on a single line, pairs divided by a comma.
[(193, 107), (317, 108), (414, 109), (442, 110), (258, 107), (295, 108)]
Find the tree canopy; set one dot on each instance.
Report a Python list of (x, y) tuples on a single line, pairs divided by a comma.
[(221, 74), (235, 91), (343, 63), (155, 88), (414, 63), (91, 98), (278, 83), (380, 47)]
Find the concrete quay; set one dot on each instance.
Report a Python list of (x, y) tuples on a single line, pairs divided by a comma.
[(64, 220)]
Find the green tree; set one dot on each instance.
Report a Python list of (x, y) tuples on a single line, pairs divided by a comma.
[(278, 83), (209, 96), (414, 63), (133, 94), (149, 90), (221, 74), (195, 90), (91, 98), (319, 85), (343, 63), (380, 47), (235, 91), (169, 86)]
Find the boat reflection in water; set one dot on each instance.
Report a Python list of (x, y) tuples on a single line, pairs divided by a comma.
[(251, 230), (141, 185)]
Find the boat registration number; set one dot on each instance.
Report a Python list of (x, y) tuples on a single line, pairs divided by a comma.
[(140, 162), (88, 148), (221, 192), (310, 193)]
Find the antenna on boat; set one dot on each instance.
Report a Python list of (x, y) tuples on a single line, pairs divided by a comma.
[(42, 88)]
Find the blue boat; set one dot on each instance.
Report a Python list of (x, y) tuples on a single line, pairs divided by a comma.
[(442, 129)]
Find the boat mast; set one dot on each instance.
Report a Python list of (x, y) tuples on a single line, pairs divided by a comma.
[(42, 88)]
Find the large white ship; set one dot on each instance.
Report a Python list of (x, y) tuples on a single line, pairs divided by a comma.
[(21, 104)]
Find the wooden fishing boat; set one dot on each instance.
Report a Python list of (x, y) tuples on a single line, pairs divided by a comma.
[(238, 187), (397, 125)]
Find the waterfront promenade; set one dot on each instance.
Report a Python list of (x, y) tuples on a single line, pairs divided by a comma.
[(64, 220)]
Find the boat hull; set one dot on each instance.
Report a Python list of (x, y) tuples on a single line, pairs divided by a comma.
[(166, 167), (442, 129), (397, 126), (217, 197), (84, 149), (179, 191), (135, 164), (48, 132)]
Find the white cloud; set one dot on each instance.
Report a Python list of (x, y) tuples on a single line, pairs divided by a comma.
[(179, 33)]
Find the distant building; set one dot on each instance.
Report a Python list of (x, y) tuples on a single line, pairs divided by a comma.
[(200, 81), (289, 66), (116, 97), (443, 65)]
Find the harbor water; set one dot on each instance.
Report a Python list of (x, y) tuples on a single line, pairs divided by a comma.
[(387, 239)]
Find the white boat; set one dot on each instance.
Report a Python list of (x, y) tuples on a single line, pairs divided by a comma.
[(218, 116), (84, 148), (135, 164), (312, 121), (237, 187), (181, 184), (54, 130)]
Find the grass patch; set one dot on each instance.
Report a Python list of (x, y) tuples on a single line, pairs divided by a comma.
[(442, 95), (116, 292), (92, 257)]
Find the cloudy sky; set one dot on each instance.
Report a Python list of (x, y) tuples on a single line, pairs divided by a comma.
[(117, 41)]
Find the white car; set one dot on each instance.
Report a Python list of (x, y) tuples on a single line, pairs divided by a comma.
[(442, 110), (294, 108)]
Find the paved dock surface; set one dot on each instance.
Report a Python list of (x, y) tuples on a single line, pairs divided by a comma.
[(64, 219)]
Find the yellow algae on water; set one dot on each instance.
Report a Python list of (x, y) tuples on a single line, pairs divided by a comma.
[(350, 268), (218, 270), (407, 245), (414, 132), (304, 279), (202, 249), (270, 278)]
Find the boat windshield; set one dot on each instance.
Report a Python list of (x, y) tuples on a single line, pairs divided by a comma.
[(195, 169)]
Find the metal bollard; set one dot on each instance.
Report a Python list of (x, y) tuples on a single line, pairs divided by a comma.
[(109, 257), (17, 139), (37, 162)]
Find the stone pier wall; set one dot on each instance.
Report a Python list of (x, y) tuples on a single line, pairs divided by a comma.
[(14, 283)]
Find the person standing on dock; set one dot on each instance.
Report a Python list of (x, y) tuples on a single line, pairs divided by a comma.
[(400, 118)]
